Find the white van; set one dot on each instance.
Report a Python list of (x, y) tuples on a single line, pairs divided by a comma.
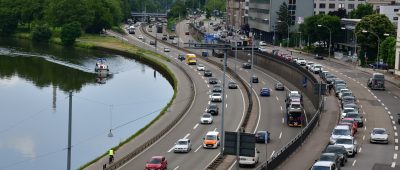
[(324, 165), (249, 161)]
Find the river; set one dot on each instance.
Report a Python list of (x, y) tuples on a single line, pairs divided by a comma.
[(35, 80)]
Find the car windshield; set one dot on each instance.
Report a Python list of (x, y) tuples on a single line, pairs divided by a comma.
[(347, 121), (347, 94), (182, 142), (321, 168), (330, 76), (206, 115), (155, 161), (216, 94), (212, 106), (326, 157), (333, 149), (295, 105), (348, 110), (211, 137), (352, 115), (344, 141), (343, 132), (200, 65), (379, 131)]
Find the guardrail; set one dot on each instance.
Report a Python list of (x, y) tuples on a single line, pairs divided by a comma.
[(294, 74), (148, 143)]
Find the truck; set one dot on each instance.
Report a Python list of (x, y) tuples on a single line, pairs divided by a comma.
[(294, 114), (376, 82), (191, 59)]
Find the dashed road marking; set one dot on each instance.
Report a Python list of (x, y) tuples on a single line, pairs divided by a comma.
[(385, 108), (354, 162), (208, 86), (187, 135), (280, 135), (365, 120), (226, 96), (197, 148), (395, 134), (395, 97), (359, 150), (283, 120), (394, 127), (215, 129), (395, 156), (396, 148), (393, 122), (176, 168), (365, 127), (277, 98), (364, 137), (383, 104), (393, 165), (273, 152), (281, 108), (396, 140), (226, 105), (391, 117), (195, 126), (361, 106)]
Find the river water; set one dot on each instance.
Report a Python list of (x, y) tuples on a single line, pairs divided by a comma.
[(34, 84)]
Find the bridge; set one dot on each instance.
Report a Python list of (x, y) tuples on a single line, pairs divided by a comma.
[(143, 14)]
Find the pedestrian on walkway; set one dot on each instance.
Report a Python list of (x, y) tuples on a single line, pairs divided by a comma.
[(330, 86), (111, 156)]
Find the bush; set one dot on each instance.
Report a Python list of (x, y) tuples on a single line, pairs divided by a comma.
[(69, 33), (41, 33)]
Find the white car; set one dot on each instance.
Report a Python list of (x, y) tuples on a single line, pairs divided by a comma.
[(316, 68), (262, 49), (216, 97), (183, 145), (379, 135), (263, 43), (249, 160), (140, 37), (349, 143), (341, 91), (339, 131), (309, 64), (347, 110), (301, 61), (206, 118), (200, 67), (167, 49)]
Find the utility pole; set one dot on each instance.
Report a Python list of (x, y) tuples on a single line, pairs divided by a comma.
[(69, 132), (223, 104)]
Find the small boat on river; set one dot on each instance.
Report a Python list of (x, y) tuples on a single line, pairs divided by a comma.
[(101, 67)]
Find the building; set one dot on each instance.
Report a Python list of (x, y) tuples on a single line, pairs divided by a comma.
[(262, 15), (391, 12), (350, 44), (236, 10), (326, 6), (397, 55), (377, 3)]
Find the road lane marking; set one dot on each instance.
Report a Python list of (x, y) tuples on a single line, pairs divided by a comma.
[(395, 97), (277, 98), (197, 149), (383, 104), (365, 127), (396, 148), (187, 135), (226, 97), (195, 126), (361, 106), (364, 137), (359, 150), (283, 120), (281, 108), (393, 122), (171, 149), (394, 127), (393, 165), (365, 120), (176, 168), (215, 129), (354, 162), (208, 86), (395, 134), (395, 156), (226, 105), (391, 117), (280, 135), (385, 108), (396, 140), (273, 152), (389, 112)]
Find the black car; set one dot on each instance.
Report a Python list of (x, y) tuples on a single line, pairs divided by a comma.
[(213, 109), (212, 80), (171, 37), (181, 57), (152, 43), (332, 157), (246, 65), (339, 150), (218, 53), (261, 136), (319, 57), (279, 86), (232, 85), (254, 79), (207, 73), (217, 88)]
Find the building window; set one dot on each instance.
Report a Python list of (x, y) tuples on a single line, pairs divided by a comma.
[(351, 6), (322, 6), (341, 5), (396, 10), (315, 5), (321, 12), (331, 6), (395, 18), (292, 1)]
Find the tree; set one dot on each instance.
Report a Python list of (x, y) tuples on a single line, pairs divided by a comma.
[(41, 33), (8, 21), (388, 50), (61, 12), (373, 24), (284, 18), (361, 11), (69, 33), (341, 13)]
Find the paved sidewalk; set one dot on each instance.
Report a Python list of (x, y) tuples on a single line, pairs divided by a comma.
[(317, 140)]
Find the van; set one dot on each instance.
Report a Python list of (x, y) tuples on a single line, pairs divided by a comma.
[(191, 59), (249, 160), (211, 140), (377, 81), (324, 165)]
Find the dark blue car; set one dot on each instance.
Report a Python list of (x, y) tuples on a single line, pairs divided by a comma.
[(265, 92), (261, 136)]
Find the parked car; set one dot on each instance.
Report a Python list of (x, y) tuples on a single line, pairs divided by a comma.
[(338, 131), (249, 160), (345, 111), (316, 68), (217, 88), (164, 38), (349, 143), (356, 117), (279, 86), (213, 109), (167, 49), (347, 100), (344, 94), (200, 67), (187, 33), (339, 150), (352, 125), (183, 145), (301, 61), (265, 92), (246, 65), (322, 74), (351, 121), (207, 73), (152, 43), (262, 43), (206, 118), (212, 80), (232, 85), (140, 37), (309, 64), (324, 165), (382, 66), (261, 136), (331, 157), (216, 97), (379, 135), (157, 162), (254, 79)]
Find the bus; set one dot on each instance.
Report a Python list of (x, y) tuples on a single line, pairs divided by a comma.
[(191, 59), (294, 116)]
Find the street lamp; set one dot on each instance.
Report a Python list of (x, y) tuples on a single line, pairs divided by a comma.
[(330, 39), (379, 41), (288, 40)]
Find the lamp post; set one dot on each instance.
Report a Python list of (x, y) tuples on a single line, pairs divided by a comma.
[(379, 41), (288, 39), (330, 39)]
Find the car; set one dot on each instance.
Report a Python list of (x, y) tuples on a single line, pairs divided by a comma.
[(262, 43), (376, 65), (349, 143), (164, 38), (324, 165), (279, 86), (351, 105), (218, 53), (140, 37), (329, 78), (181, 57), (350, 125), (262, 49), (379, 135), (316, 68), (200, 67), (254, 79), (338, 81), (347, 100), (339, 150), (309, 64), (246, 65), (157, 162), (319, 57), (207, 73), (356, 117), (342, 91), (152, 43), (351, 121), (344, 94), (217, 88), (338, 131), (249, 160), (171, 37), (338, 87), (301, 61), (331, 157), (206, 118), (261, 136), (213, 109), (183, 145), (345, 111), (212, 80), (232, 85), (187, 33), (216, 97), (211, 140), (167, 49), (265, 92)]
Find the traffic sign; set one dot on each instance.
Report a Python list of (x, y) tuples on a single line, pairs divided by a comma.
[(247, 143)]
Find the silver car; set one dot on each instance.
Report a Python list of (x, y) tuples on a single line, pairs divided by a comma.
[(379, 135)]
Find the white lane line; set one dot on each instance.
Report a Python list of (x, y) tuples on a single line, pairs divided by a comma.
[(396, 140), (226, 96), (360, 150), (205, 81), (226, 105), (393, 122), (389, 112), (171, 149), (385, 108), (187, 135), (197, 148), (280, 135), (277, 98), (395, 156), (394, 127), (383, 104), (176, 168), (364, 137), (396, 148), (215, 129), (365, 119), (283, 120), (199, 73), (365, 127), (195, 126), (361, 106), (395, 97), (209, 102), (393, 165), (354, 162), (391, 117), (273, 152), (281, 108), (208, 86)]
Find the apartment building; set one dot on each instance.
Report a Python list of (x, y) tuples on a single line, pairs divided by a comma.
[(326, 6), (391, 12), (236, 13)]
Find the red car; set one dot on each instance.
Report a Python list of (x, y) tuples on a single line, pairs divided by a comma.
[(350, 122), (157, 163)]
